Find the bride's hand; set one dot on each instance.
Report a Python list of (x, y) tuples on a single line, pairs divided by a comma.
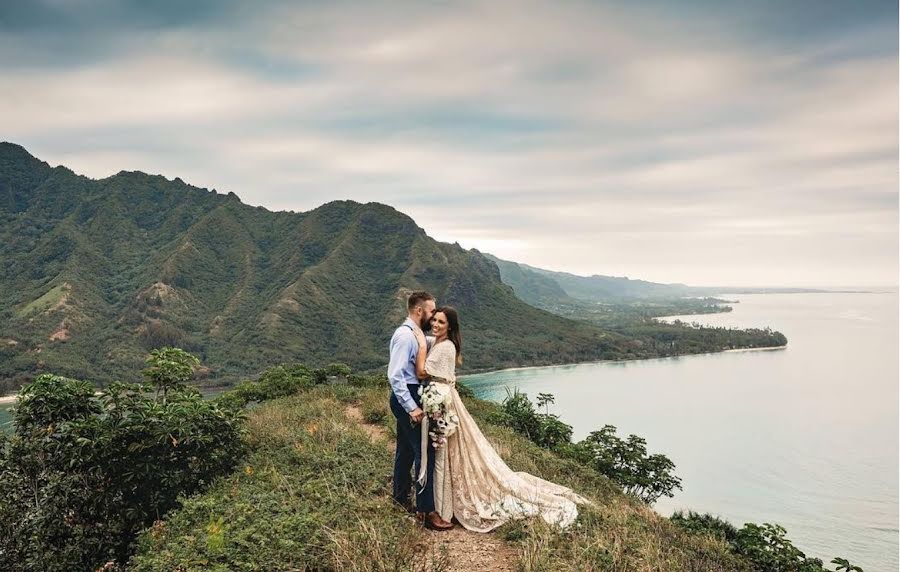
[(420, 337)]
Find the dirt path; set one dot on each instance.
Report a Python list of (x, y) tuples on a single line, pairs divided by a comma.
[(464, 551)]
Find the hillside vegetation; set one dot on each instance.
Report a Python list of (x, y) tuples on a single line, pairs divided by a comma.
[(292, 471), (628, 308), (97, 272)]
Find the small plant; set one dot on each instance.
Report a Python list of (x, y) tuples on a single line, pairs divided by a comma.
[(705, 524), (844, 564), (544, 400)]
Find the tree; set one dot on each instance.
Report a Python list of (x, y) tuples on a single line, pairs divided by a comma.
[(648, 477), (544, 399), (170, 368)]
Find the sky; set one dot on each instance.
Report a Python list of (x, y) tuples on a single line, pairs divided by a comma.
[(703, 142)]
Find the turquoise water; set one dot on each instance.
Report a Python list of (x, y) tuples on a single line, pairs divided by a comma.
[(805, 436), (5, 417)]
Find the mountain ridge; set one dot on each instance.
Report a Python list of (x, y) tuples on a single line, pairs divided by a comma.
[(98, 271)]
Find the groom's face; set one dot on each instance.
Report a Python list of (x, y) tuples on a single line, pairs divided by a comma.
[(427, 312)]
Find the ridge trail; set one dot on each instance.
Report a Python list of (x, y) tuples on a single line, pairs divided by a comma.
[(464, 550)]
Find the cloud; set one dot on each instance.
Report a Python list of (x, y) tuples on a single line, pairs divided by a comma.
[(572, 136)]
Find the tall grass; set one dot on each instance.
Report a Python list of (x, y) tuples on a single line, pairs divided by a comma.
[(313, 495), (618, 533)]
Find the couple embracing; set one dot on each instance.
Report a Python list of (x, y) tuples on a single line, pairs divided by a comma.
[(459, 475)]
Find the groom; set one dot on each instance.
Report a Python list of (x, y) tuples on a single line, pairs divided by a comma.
[(406, 405)]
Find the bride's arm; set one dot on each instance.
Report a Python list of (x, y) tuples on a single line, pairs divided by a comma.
[(420, 362), (421, 355)]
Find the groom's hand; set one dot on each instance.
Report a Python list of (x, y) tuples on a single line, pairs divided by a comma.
[(416, 414)]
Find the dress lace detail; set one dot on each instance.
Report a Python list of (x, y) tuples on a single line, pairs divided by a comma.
[(441, 361), (474, 484)]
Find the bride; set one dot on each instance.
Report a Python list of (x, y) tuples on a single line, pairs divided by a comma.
[(471, 481)]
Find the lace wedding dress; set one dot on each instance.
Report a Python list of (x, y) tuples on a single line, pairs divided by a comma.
[(471, 481)]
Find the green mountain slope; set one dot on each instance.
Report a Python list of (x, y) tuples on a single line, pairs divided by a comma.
[(549, 288), (96, 272), (628, 308), (533, 287), (544, 287)]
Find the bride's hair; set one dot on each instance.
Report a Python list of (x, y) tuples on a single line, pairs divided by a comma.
[(453, 329)]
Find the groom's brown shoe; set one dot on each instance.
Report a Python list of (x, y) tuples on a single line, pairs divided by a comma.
[(433, 521)]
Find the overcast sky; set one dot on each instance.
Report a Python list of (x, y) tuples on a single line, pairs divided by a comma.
[(710, 143)]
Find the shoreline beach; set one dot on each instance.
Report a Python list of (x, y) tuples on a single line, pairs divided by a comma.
[(484, 371)]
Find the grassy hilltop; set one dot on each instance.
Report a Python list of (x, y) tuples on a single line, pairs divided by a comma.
[(292, 472), (314, 494)]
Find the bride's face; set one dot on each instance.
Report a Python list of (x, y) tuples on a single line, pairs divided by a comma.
[(439, 324)]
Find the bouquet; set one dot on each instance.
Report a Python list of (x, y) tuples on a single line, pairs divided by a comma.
[(436, 400)]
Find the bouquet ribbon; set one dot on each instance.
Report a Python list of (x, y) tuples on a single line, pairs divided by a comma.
[(423, 464)]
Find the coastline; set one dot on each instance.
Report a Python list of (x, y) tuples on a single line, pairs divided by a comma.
[(527, 367), (9, 399)]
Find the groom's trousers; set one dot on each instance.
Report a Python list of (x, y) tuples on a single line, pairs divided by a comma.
[(409, 455)]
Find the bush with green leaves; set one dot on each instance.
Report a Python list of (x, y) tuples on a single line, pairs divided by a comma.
[(332, 372), (765, 546), (648, 477), (277, 381), (311, 495), (544, 429), (169, 369), (84, 472), (288, 379), (705, 524)]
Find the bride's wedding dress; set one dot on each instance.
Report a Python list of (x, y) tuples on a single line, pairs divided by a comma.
[(471, 481)]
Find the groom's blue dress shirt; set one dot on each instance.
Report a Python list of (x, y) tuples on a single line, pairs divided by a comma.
[(402, 367)]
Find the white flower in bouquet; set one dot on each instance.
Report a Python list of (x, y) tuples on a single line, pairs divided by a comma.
[(452, 423), (436, 402), (435, 397)]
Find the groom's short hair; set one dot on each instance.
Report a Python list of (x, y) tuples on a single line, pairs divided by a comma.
[(417, 298)]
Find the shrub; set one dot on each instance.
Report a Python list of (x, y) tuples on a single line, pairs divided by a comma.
[(766, 546), (378, 380), (464, 390), (768, 549), (170, 369), (53, 399), (647, 477), (279, 381), (705, 524), (83, 473), (331, 372)]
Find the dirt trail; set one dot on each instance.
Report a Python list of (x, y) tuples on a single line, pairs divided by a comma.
[(465, 551)]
